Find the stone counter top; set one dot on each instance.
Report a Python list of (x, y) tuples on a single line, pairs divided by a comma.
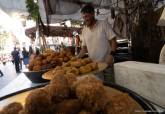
[(146, 79)]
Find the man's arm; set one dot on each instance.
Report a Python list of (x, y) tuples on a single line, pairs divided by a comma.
[(82, 52), (113, 45), (162, 56)]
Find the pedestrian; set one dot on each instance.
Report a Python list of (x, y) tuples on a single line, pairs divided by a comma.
[(1, 74), (99, 40), (77, 44), (21, 58), (25, 54), (31, 51), (16, 58)]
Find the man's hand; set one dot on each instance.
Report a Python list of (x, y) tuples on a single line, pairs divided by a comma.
[(109, 60), (82, 52)]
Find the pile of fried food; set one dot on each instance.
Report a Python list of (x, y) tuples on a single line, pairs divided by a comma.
[(67, 94), (76, 66), (49, 59)]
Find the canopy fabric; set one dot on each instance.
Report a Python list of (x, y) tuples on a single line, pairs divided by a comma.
[(60, 10), (54, 31)]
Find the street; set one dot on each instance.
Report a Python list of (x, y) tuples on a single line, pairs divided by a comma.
[(9, 74)]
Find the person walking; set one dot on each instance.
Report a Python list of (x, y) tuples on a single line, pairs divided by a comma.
[(25, 54), (16, 58), (21, 58)]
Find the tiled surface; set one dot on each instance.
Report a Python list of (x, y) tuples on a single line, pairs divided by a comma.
[(9, 74), (12, 82), (18, 84)]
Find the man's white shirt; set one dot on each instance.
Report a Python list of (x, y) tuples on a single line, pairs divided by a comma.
[(97, 40)]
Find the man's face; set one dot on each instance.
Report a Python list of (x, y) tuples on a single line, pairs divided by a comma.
[(88, 18)]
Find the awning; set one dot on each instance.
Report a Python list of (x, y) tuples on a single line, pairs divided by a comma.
[(53, 31)]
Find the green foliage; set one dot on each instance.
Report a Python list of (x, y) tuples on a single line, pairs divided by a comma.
[(33, 9)]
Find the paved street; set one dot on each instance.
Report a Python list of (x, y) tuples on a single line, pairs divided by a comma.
[(9, 74)]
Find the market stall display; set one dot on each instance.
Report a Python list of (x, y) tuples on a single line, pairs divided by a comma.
[(77, 66), (42, 63), (84, 95), (48, 60)]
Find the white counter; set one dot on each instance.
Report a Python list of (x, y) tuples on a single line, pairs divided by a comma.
[(146, 79)]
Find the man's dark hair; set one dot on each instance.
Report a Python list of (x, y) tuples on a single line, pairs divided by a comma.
[(88, 9)]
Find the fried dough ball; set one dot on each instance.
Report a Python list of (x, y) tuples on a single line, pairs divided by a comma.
[(71, 78), (90, 91), (92, 96), (30, 67), (53, 62), (66, 59), (58, 92), (72, 70), (57, 68), (93, 65), (22, 112), (36, 68), (58, 63), (38, 63), (76, 64), (87, 60), (60, 60), (59, 72), (58, 78), (73, 59), (120, 104), (49, 74), (85, 80), (66, 64), (31, 62), (61, 55), (83, 62), (39, 57), (69, 106), (85, 69), (56, 53), (38, 102), (44, 62), (85, 112), (48, 59), (70, 56), (45, 55), (12, 108), (67, 68)]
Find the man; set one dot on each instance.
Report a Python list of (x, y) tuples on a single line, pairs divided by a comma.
[(98, 39), (16, 58)]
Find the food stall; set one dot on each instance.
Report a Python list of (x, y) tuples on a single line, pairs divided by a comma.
[(68, 85)]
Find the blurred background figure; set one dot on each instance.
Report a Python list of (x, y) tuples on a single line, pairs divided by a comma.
[(31, 51), (16, 58), (1, 74), (21, 58), (25, 55), (77, 44), (62, 46)]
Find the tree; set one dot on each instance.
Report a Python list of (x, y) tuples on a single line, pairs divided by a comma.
[(33, 9)]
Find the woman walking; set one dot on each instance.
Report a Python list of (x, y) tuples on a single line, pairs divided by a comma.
[(25, 54)]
